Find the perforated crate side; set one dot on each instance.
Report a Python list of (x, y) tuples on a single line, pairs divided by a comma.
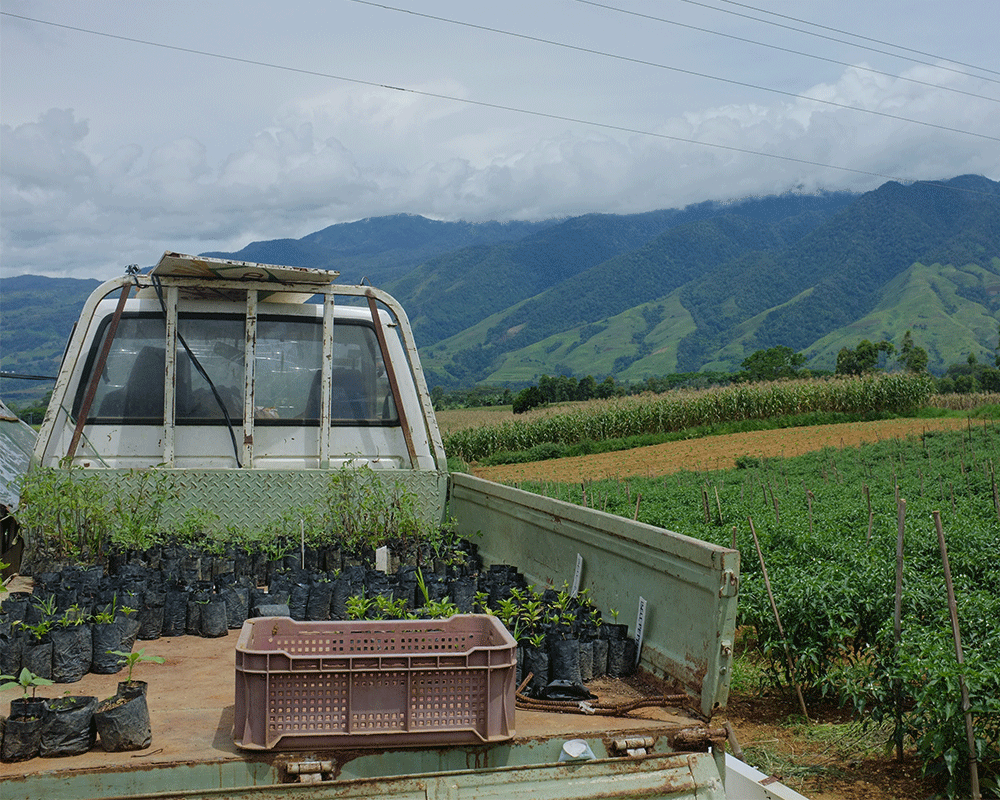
[(335, 684)]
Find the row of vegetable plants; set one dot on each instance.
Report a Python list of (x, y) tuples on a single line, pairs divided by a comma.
[(682, 409), (827, 524)]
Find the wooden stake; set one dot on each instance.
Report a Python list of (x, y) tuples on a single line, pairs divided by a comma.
[(897, 624), (777, 619), (718, 504), (871, 515), (638, 499), (996, 497), (953, 612)]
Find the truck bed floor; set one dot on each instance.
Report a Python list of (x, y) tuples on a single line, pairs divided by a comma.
[(191, 699)]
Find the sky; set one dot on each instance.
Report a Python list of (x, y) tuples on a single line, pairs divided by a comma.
[(133, 128)]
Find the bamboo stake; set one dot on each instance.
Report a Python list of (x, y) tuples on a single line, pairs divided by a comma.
[(777, 619), (871, 515), (638, 499), (953, 612), (897, 625), (996, 497), (718, 504)]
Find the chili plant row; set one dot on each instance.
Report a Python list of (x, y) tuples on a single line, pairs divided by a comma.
[(828, 524)]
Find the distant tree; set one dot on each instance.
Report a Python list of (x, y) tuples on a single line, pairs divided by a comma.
[(864, 358), (558, 388), (606, 388), (528, 399), (437, 397), (912, 358), (989, 379), (586, 388), (965, 384), (772, 364)]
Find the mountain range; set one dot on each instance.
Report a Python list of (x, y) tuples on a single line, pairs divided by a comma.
[(640, 295)]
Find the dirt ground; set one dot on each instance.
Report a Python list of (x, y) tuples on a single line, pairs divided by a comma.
[(713, 452), (830, 758)]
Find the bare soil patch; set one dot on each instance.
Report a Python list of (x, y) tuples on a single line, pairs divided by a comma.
[(713, 452)]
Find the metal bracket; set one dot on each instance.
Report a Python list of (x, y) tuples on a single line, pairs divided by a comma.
[(634, 746), (310, 771), (730, 584)]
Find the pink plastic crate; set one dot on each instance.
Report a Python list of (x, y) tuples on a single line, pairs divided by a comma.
[(315, 685)]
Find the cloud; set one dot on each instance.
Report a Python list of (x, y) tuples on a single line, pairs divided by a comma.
[(74, 205)]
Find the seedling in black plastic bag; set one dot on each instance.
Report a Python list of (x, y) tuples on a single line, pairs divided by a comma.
[(131, 659), (26, 679)]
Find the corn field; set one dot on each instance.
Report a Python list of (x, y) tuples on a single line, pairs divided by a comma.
[(679, 410)]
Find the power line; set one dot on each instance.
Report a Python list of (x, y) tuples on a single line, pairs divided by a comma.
[(855, 35), (478, 103), (852, 44), (802, 53), (693, 73)]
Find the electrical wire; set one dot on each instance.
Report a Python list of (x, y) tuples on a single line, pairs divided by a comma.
[(789, 50), (486, 104), (841, 41), (681, 70), (859, 36)]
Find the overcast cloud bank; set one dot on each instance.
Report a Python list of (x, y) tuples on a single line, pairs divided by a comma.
[(81, 204)]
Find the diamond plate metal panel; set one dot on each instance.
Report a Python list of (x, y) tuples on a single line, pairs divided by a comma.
[(246, 498)]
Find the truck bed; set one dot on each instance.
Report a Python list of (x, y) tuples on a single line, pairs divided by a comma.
[(191, 700)]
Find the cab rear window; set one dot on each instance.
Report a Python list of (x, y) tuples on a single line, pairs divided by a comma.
[(211, 370)]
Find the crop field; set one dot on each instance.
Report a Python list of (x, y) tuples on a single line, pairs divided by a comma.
[(683, 410), (827, 523)]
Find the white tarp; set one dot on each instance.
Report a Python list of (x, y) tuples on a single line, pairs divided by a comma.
[(17, 441)]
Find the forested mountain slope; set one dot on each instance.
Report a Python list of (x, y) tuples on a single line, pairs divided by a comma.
[(638, 295)]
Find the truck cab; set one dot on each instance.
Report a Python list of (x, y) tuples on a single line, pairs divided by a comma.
[(243, 377)]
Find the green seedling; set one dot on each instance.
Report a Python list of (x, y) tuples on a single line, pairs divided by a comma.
[(26, 679), (133, 658)]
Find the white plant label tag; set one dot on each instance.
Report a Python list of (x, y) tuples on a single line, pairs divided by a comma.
[(640, 624), (382, 559), (576, 576)]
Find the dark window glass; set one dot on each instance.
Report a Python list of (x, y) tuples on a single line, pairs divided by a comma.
[(289, 353)]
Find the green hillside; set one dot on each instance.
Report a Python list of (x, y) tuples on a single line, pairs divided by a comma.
[(36, 318), (640, 295)]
